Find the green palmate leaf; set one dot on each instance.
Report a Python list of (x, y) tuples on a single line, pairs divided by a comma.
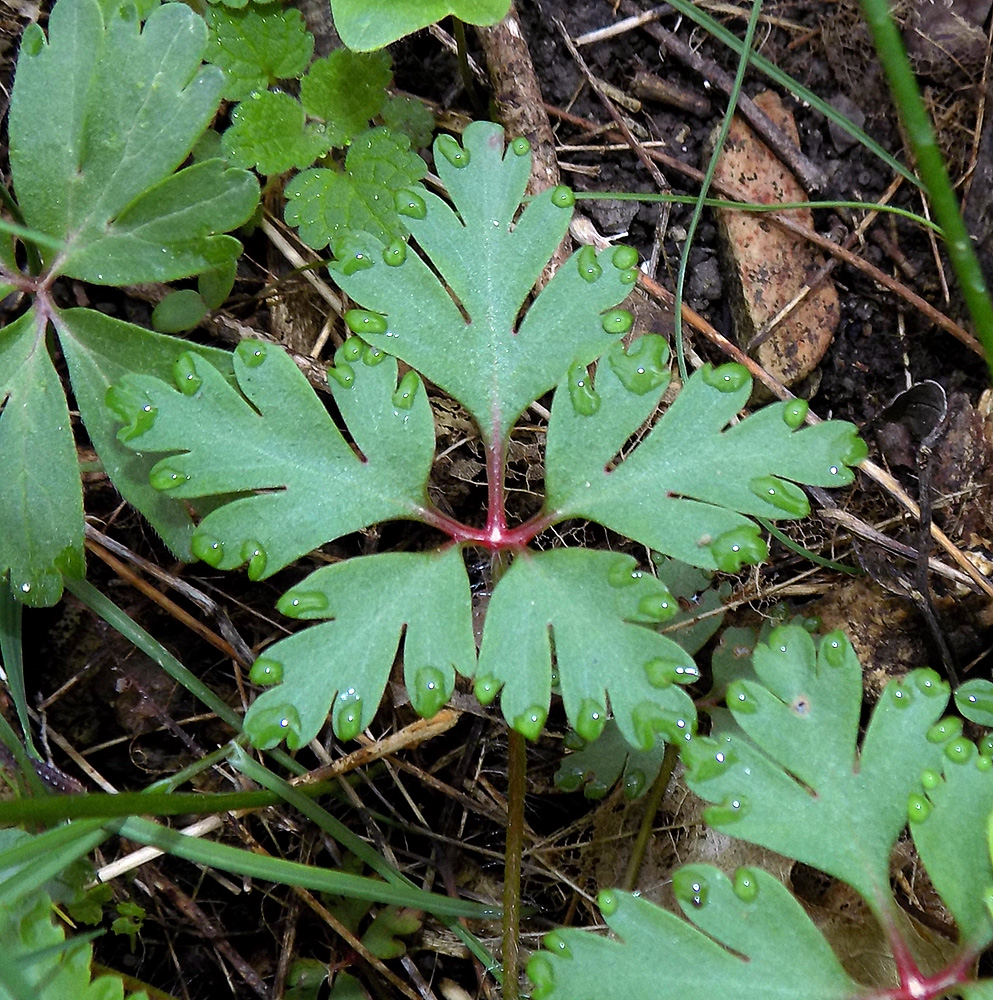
[(270, 132), (686, 487), (278, 439), (379, 167), (799, 784), (490, 261), (100, 118), (373, 24), (41, 499), (344, 90), (255, 48), (595, 610), (595, 767), (372, 601), (747, 938), (948, 816), (99, 351), (410, 116)]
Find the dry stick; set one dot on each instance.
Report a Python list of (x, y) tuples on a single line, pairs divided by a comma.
[(880, 277), (808, 173)]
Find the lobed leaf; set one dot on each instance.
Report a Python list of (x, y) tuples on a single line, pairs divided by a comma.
[(688, 487), (101, 116), (346, 662), (595, 767), (402, 113), (745, 937), (798, 784), (275, 442), (324, 204), (594, 613), (255, 48), (344, 90), (461, 331)]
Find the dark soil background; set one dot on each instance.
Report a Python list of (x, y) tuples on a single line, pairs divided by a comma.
[(109, 716)]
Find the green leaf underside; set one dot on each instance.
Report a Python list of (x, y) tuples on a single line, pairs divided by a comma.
[(590, 608), (692, 478), (373, 24), (796, 783), (277, 443), (41, 498), (490, 364), (760, 947), (270, 132), (101, 116), (99, 352), (345, 90), (343, 665), (949, 813), (596, 766), (324, 203), (255, 48)]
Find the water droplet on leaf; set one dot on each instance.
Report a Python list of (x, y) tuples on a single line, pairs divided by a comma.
[(396, 253), (449, 148), (563, 197), (705, 758), (727, 378), (589, 269), (590, 719), (363, 322), (690, 887), (960, 750), (929, 683), (209, 549), (608, 901), (486, 689), (624, 257), (738, 547), (617, 321), (918, 808), (740, 700), (410, 204), (357, 261), (255, 555), (663, 673), (520, 146), (531, 722), (541, 973), (642, 367), (732, 810), (835, 649), (746, 886), (795, 412), (584, 400), (634, 784), (132, 409), (406, 391), (165, 477), (266, 671), (930, 779), (251, 352), (945, 729), (657, 607), (623, 572), (303, 603), (430, 691), (184, 373), (555, 944), (373, 356), (348, 720), (784, 496), (269, 726)]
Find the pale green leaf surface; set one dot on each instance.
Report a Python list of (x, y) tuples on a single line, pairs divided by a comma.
[(748, 939), (100, 118), (981, 990), (345, 90), (596, 611), (278, 444), (41, 499), (799, 784), (255, 48), (491, 364), (692, 478), (343, 665), (324, 204), (99, 351), (178, 311), (270, 132), (948, 816), (373, 24)]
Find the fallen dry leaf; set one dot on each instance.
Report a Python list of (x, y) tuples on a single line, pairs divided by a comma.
[(769, 267)]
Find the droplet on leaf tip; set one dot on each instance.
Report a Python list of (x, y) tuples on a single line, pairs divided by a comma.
[(364, 322), (624, 257), (590, 719), (520, 146), (960, 750), (795, 412), (410, 204), (342, 373), (251, 352), (589, 268), (450, 149), (486, 689), (303, 603), (563, 197), (430, 691), (164, 477), (348, 720), (918, 808), (266, 671), (255, 555), (726, 378), (584, 399), (617, 321), (207, 549), (531, 722), (395, 254), (406, 391), (746, 886), (185, 375), (690, 888)]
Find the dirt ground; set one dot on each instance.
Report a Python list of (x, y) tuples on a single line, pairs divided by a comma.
[(440, 807)]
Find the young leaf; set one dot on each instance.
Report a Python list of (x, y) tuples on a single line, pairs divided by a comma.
[(798, 784), (596, 766), (345, 90), (270, 132), (410, 116), (323, 203), (424, 595), (100, 118), (255, 48), (276, 442), (489, 260), (595, 612), (746, 938), (373, 24), (685, 488)]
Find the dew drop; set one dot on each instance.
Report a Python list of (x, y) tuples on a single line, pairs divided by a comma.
[(358, 261), (608, 901), (960, 750), (590, 719), (584, 400), (351, 350), (930, 779), (209, 549), (164, 477), (184, 373), (251, 352), (342, 373), (531, 722), (430, 691), (732, 810), (624, 257), (945, 729), (406, 391), (486, 689), (410, 204), (520, 146), (918, 808), (727, 378), (396, 253), (690, 888), (746, 886), (255, 555), (642, 366), (902, 695), (303, 603), (373, 356), (563, 197), (363, 322), (33, 40), (705, 759), (449, 148), (929, 683), (984, 763), (634, 784), (740, 700), (616, 321), (738, 547), (541, 973), (589, 269), (783, 495), (25, 587), (657, 607), (663, 673), (348, 720), (555, 944), (834, 649), (624, 572), (266, 671), (629, 277), (269, 726)]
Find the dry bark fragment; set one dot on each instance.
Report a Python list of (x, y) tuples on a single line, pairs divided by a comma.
[(769, 267)]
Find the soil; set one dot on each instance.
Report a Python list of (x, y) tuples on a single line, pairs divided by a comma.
[(100, 701)]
